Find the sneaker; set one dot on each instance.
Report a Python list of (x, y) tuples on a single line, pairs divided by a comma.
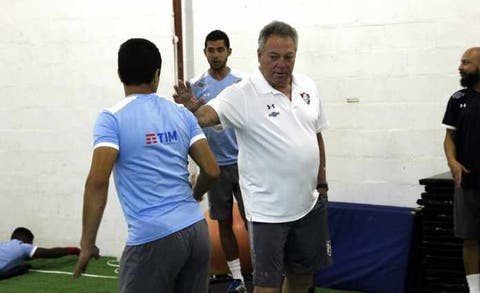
[(236, 286)]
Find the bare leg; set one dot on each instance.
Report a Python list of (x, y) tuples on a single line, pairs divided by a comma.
[(228, 239), (471, 260), (471, 256)]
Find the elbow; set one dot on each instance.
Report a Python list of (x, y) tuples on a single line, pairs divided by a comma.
[(211, 173)]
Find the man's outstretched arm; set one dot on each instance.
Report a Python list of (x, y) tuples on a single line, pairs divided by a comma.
[(205, 114), (55, 252)]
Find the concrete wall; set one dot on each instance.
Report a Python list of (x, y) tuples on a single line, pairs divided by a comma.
[(397, 59), (58, 64)]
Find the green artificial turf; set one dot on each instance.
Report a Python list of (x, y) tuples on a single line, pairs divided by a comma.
[(39, 282), (59, 283)]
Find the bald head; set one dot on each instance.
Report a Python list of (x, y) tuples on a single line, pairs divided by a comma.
[(474, 52), (470, 68)]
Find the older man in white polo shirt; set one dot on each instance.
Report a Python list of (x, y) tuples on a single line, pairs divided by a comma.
[(278, 119)]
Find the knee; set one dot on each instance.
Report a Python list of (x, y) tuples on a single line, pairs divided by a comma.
[(470, 244)]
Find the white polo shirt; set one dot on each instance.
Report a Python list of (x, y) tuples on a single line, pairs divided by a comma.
[(278, 150)]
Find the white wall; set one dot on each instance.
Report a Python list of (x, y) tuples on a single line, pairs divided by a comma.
[(58, 70), (58, 62), (398, 59)]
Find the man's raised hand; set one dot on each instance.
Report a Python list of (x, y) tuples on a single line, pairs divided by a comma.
[(184, 95)]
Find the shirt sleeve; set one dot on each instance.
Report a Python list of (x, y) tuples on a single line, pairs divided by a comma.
[(230, 106), (196, 132), (28, 250), (322, 122), (32, 252), (105, 132), (451, 114)]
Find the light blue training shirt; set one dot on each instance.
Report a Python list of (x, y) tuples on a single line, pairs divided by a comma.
[(153, 136), (13, 253), (223, 143)]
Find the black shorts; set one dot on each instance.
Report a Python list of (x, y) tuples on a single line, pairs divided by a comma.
[(220, 197), (467, 213), (298, 247)]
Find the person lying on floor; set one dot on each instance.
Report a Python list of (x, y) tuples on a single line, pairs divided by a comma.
[(19, 248)]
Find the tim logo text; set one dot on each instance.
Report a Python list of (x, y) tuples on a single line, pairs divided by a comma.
[(166, 137)]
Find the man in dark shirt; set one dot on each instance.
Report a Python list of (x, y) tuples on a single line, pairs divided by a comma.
[(461, 145)]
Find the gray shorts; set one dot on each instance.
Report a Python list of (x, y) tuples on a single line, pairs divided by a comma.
[(298, 247), (220, 197), (179, 262), (466, 213)]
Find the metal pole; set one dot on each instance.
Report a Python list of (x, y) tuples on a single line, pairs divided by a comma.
[(178, 39)]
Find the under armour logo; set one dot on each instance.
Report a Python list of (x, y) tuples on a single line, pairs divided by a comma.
[(271, 106), (463, 105)]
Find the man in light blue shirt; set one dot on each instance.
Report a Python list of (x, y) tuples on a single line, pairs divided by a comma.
[(224, 146), (145, 140)]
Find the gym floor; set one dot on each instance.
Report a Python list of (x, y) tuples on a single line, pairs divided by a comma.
[(54, 276)]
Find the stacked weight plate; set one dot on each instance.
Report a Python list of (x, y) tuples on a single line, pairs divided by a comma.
[(441, 252)]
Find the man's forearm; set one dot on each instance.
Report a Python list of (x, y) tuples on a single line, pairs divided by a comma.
[(203, 184), (206, 116), (55, 252), (95, 200), (322, 177)]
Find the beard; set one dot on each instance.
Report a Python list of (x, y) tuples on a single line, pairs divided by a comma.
[(218, 65), (470, 79)]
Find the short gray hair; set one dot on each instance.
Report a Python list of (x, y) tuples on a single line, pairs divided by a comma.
[(277, 28)]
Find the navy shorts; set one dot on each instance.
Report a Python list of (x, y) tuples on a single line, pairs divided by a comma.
[(220, 197)]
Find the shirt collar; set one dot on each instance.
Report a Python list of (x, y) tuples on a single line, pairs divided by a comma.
[(263, 86)]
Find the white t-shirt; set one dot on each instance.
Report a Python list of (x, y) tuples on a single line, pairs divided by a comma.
[(278, 150)]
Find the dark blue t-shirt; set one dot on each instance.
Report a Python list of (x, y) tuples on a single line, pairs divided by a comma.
[(463, 117)]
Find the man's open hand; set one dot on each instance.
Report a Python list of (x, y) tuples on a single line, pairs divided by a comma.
[(184, 95)]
